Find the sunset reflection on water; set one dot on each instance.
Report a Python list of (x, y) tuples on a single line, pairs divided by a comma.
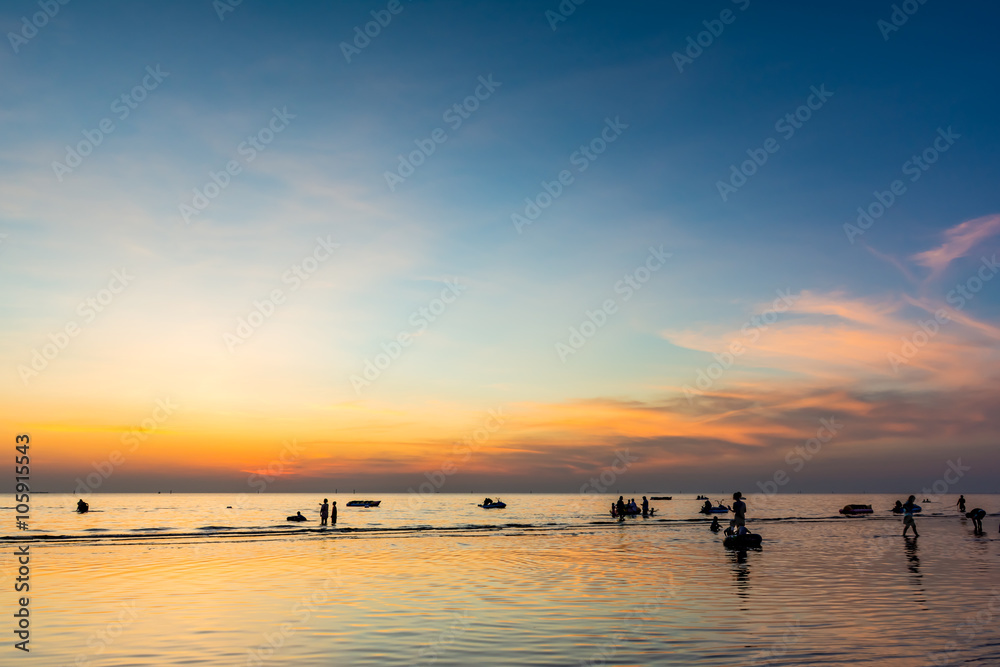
[(638, 593)]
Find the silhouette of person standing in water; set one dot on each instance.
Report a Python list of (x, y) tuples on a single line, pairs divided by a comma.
[(333, 513), (324, 512), (621, 508), (908, 520), (961, 504), (739, 513)]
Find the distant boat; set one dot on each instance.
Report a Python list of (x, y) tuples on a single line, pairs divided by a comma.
[(363, 503), (702, 498), (661, 497), (494, 506), (854, 510)]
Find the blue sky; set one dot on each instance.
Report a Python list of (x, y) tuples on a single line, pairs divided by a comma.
[(323, 176)]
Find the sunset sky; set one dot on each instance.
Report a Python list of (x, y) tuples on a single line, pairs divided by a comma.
[(335, 256)]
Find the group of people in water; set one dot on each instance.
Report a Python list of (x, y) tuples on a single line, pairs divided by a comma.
[(909, 508), (977, 515), (621, 509), (325, 512), (738, 524)]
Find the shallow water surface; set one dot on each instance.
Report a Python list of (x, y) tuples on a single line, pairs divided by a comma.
[(466, 586)]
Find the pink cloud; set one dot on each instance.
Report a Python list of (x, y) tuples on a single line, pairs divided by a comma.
[(834, 340), (958, 241)]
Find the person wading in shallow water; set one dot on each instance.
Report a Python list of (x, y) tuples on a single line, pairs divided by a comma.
[(908, 517), (324, 512), (333, 513), (977, 515), (621, 508)]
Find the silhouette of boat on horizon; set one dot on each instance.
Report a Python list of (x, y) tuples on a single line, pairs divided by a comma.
[(363, 503)]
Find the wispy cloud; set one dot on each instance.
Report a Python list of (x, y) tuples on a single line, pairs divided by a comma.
[(959, 240)]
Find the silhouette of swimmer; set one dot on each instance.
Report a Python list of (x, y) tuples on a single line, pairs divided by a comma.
[(977, 515), (82, 507), (297, 517), (715, 524)]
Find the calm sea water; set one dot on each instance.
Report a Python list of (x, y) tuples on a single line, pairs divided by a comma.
[(174, 579)]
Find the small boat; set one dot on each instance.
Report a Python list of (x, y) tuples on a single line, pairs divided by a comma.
[(854, 510), (748, 541), (702, 498), (363, 503), (718, 509), (494, 506), (661, 497), (297, 517)]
